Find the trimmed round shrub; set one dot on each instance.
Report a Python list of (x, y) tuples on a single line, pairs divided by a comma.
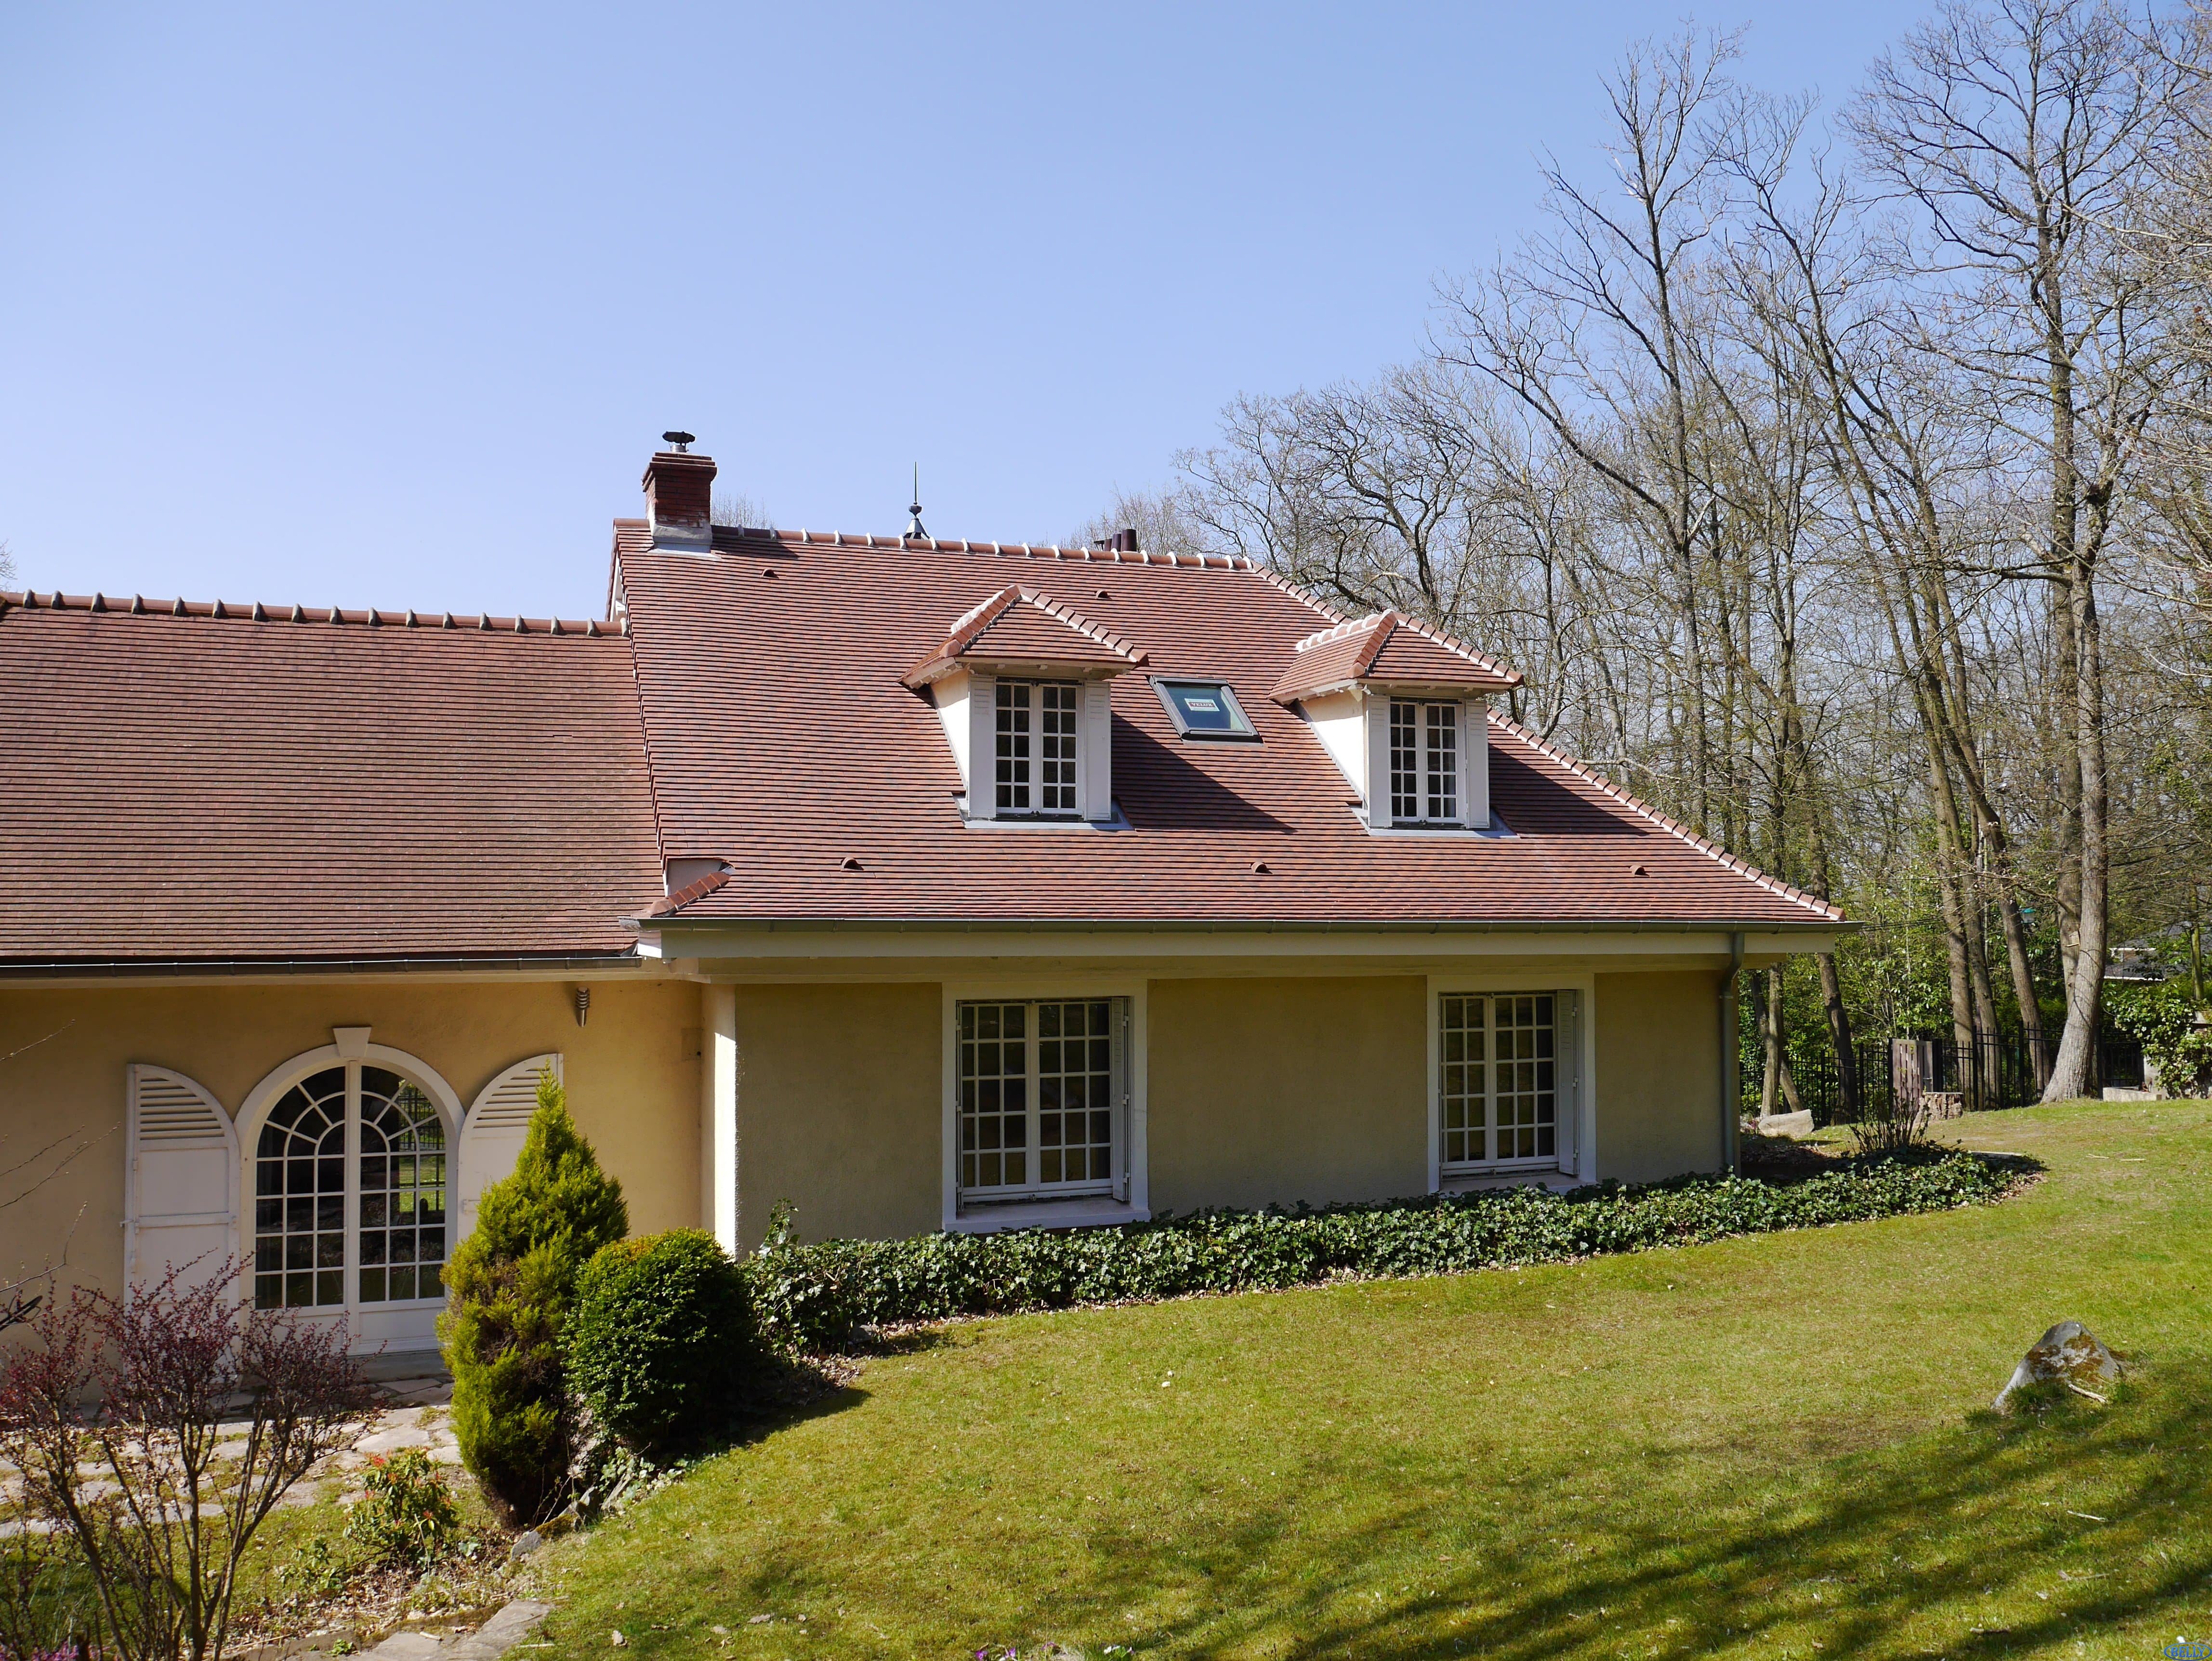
[(661, 1337), (510, 1286)]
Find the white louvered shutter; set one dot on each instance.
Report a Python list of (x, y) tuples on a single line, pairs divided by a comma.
[(180, 1203), (493, 1132), (1567, 1051)]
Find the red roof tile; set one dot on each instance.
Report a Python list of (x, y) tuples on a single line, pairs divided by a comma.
[(1019, 625), (784, 741), (185, 782), (1387, 648)]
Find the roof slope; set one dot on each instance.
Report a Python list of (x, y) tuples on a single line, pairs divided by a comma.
[(784, 741), (204, 787)]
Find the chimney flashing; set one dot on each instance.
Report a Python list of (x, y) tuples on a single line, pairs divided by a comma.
[(679, 502)]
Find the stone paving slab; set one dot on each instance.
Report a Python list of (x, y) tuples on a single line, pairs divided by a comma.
[(487, 1643)]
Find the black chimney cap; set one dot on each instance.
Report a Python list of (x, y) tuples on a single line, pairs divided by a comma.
[(682, 441)]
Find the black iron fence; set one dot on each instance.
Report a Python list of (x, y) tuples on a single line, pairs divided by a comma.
[(1990, 1070)]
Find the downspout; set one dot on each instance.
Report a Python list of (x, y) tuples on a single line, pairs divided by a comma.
[(1731, 1083)]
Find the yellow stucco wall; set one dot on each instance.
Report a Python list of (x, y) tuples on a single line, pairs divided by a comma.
[(1260, 1089), (841, 1108), (631, 1073), (1287, 1089), (1658, 1074)]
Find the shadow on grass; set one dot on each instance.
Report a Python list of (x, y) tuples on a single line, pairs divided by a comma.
[(776, 1394), (1939, 1545)]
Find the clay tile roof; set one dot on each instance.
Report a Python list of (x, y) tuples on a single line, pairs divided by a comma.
[(279, 783), (785, 738), (1018, 625), (1388, 648)]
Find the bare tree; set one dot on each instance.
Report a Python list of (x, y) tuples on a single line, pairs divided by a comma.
[(2016, 136), (1161, 522), (1804, 472), (735, 507)]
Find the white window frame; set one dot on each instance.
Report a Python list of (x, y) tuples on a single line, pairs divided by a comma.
[(369, 1322), (1425, 758), (1568, 1164), (1034, 701), (1130, 1200)]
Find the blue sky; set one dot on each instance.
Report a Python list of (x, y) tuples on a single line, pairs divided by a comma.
[(387, 305)]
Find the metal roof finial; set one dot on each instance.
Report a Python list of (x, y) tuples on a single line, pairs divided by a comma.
[(913, 525)]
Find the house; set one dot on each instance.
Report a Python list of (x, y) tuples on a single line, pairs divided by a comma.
[(923, 883)]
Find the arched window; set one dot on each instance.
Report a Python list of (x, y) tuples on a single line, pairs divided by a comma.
[(351, 1186)]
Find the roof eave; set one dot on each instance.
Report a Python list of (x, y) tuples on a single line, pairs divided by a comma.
[(1253, 925), (1288, 696), (626, 957)]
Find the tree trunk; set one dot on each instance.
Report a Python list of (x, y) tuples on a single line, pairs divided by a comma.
[(2074, 1072), (1769, 1041), (1840, 1035)]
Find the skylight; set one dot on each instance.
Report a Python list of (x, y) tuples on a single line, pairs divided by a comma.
[(1204, 710)]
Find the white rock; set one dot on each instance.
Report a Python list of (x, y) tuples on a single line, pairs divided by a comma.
[(2069, 1354)]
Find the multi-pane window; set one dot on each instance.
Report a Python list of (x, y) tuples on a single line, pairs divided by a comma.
[(299, 1196), (1424, 763), (324, 1215), (1056, 714), (1035, 744), (403, 1190), (1041, 1088), (1013, 748), (1499, 1088)]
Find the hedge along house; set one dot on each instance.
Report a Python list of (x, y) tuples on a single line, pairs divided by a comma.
[(925, 884)]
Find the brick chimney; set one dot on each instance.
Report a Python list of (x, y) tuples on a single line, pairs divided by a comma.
[(679, 500)]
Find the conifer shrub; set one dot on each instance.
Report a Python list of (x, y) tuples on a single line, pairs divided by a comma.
[(511, 1285), (660, 1341)]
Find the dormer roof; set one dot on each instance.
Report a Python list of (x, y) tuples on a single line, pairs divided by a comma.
[(1390, 649), (1020, 629)]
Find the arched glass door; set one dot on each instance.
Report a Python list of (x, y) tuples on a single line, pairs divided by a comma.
[(350, 1186)]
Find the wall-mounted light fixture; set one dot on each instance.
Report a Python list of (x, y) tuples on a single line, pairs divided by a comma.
[(583, 1003)]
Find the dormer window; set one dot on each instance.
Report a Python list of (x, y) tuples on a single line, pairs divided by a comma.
[(1023, 685), (1402, 710), (1424, 763), (1038, 733)]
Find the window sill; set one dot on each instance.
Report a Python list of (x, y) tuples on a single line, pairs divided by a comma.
[(1040, 821), (1497, 830), (1475, 1182), (1090, 1211)]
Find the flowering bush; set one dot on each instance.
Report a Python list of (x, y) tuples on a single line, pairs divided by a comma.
[(404, 1518), (813, 1297)]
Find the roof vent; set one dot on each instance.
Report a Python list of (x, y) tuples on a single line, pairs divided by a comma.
[(679, 498), (848, 863)]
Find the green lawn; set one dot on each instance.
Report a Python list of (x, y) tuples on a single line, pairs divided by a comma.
[(1769, 1446)]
